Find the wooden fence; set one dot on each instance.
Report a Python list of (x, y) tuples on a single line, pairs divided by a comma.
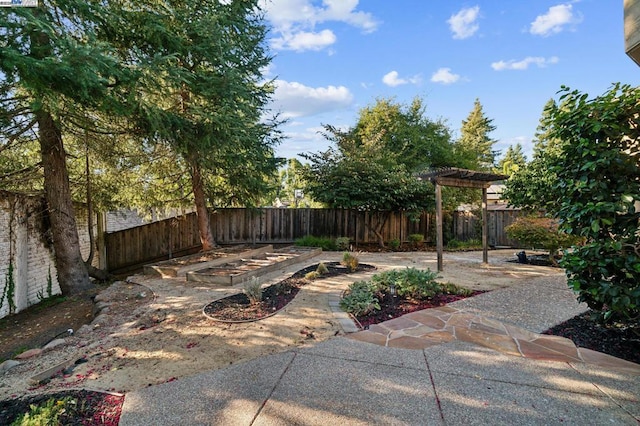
[(178, 236)]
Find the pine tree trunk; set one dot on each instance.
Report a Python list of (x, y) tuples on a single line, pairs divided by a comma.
[(202, 213), (72, 272)]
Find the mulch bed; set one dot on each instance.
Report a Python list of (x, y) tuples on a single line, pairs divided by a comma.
[(90, 407), (393, 307), (238, 308), (621, 340)]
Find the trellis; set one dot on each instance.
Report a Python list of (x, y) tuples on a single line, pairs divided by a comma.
[(460, 178)]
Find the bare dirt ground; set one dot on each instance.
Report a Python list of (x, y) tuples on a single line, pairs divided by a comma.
[(152, 330)]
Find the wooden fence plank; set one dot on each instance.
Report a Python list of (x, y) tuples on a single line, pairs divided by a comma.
[(171, 237)]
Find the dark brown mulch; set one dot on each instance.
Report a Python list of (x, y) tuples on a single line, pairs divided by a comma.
[(393, 307), (89, 408), (274, 297), (621, 340)]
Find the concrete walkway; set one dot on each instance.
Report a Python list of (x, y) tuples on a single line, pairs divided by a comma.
[(476, 361)]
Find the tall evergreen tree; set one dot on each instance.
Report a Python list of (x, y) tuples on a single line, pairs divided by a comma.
[(513, 160), (206, 96), (475, 146), (52, 69)]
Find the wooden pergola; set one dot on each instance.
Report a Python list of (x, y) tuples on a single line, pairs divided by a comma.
[(461, 178)]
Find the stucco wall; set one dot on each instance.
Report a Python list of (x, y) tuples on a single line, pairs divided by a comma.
[(25, 250)]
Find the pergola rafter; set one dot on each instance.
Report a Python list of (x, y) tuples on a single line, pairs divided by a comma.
[(461, 178)]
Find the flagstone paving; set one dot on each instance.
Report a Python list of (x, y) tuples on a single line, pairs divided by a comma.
[(430, 327)]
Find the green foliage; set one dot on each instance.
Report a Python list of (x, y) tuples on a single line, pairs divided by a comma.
[(343, 243), (9, 290), (513, 160), (598, 183), (450, 288), (475, 147), (373, 163), (363, 297), (350, 261), (49, 284), (408, 282), (390, 133), (416, 239), (253, 290), (540, 232), (47, 413), (360, 299), (455, 244), (394, 244), (325, 243), (531, 187)]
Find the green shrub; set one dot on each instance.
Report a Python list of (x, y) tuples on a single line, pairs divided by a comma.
[(540, 232), (454, 244), (449, 288), (350, 261), (408, 282), (360, 299), (394, 244), (253, 290), (343, 243), (47, 413), (325, 243), (416, 239)]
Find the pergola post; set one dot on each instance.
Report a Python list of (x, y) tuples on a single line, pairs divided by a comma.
[(485, 246), (439, 242)]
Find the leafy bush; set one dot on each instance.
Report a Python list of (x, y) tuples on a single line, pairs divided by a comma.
[(416, 239), (598, 187), (539, 232), (456, 244), (360, 299), (449, 288), (342, 243), (394, 244), (253, 290), (408, 282), (48, 413), (350, 261), (325, 243)]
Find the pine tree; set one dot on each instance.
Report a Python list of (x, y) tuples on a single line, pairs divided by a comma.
[(475, 147), (53, 69), (205, 96), (513, 160)]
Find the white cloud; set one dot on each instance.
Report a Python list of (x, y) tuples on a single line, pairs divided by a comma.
[(393, 79), (464, 23), (293, 99), (297, 19), (444, 76), (303, 40), (524, 63), (554, 21)]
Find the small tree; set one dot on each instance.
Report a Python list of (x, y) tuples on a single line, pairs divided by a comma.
[(362, 185)]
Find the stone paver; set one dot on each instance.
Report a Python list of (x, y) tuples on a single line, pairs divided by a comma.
[(419, 330)]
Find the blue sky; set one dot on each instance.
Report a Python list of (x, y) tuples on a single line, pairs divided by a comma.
[(334, 57)]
